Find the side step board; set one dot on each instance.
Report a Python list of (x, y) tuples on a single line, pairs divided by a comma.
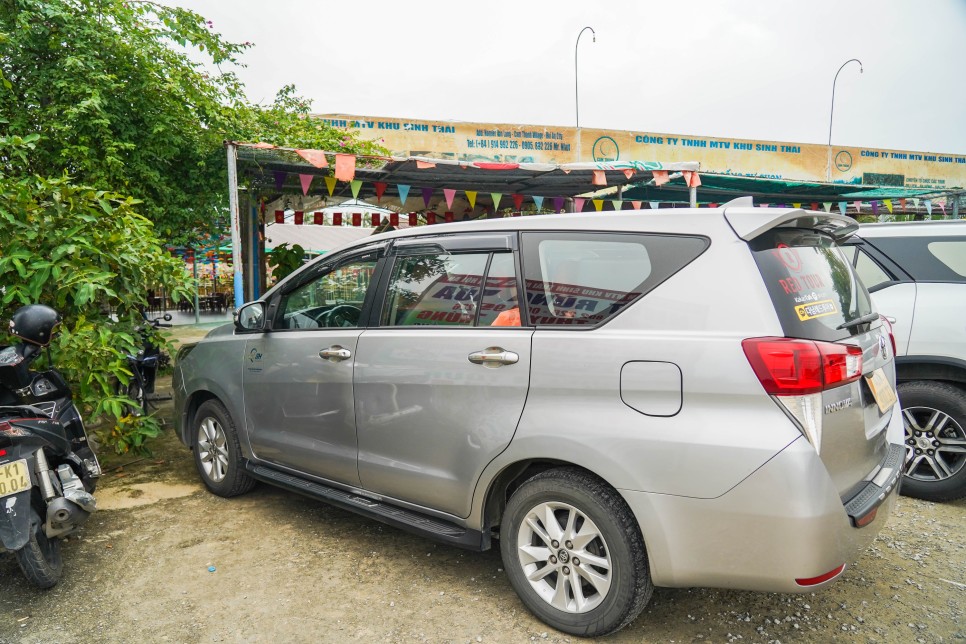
[(408, 520)]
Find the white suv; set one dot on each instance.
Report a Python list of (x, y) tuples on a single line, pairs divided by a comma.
[(916, 273)]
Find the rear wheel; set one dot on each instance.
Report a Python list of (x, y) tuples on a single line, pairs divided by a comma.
[(574, 553), (217, 451), (934, 418), (40, 559)]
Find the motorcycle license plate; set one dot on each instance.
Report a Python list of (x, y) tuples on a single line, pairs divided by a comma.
[(14, 477)]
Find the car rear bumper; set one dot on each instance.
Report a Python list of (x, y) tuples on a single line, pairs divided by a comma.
[(784, 522)]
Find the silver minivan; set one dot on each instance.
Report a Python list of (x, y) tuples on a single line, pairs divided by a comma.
[(621, 401)]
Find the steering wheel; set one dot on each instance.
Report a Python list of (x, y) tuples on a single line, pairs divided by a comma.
[(341, 315)]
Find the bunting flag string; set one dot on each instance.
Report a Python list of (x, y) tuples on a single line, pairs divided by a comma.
[(875, 208), (279, 216), (517, 201), (600, 178), (858, 206), (618, 204), (814, 205), (827, 205), (403, 193), (496, 196), (902, 203), (558, 204), (471, 197), (337, 219), (888, 205), (538, 201), (636, 204), (654, 204), (579, 204), (427, 195), (660, 177), (354, 185), (380, 188), (299, 217), (315, 157), (345, 167), (843, 207), (319, 218), (330, 183), (797, 206), (280, 179), (598, 204)]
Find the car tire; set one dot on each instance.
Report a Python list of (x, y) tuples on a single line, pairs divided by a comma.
[(40, 559), (612, 581), (217, 451), (934, 419)]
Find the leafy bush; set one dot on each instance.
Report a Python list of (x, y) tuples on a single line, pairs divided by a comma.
[(91, 256)]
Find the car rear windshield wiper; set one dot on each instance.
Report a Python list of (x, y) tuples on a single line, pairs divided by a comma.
[(868, 317)]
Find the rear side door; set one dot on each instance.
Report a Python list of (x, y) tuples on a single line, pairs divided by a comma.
[(298, 377), (442, 378)]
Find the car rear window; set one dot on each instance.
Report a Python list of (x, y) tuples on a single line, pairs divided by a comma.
[(584, 279), (812, 285)]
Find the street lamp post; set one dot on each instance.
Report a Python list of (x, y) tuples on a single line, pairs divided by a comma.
[(576, 90), (828, 166)]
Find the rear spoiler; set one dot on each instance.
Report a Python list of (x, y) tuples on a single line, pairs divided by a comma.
[(749, 222)]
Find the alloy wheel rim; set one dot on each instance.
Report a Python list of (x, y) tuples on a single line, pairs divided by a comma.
[(935, 444), (213, 449), (564, 557)]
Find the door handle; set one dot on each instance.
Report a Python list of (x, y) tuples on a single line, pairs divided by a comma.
[(494, 357), (335, 353)]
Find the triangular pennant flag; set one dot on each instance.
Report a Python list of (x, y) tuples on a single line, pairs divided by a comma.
[(558, 204), (299, 217), (380, 189), (330, 184), (280, 179), (843, 207), (598, 204), (928, 204), (660, 177), (496, 196), (902, 204), (636, 204), (765, 205), (600, 178), (814, 205), (691, 179), (315, 157), (888, 205), (858, 206), (579, 204), (517, 201), (827, 205), (915, 203), (471, 197), (354, 185), (654, 204), (875, 208), (424, 165), (306, 181), (345, 167), (942, 205), (538, 201), (403, 194), (628, 173), (427, 195), (449, 193), (797, 206), (618, 204), (712, 205)]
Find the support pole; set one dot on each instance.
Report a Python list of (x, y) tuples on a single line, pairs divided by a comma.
[(693, 197), (236, 258)]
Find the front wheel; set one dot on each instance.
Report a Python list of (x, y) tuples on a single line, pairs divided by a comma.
[(574, 553), (217, 451), (934, 418), (40, 559)]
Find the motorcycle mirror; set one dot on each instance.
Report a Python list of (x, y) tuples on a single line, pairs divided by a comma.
[(167, 317)]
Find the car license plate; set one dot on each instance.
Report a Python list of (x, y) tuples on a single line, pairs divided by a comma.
[(882, 391), (14, 477)]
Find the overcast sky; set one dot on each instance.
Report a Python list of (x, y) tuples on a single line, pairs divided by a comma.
[(728, 68)]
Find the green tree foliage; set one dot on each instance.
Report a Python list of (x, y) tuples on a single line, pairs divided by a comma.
[(285, 260), (84, 252)]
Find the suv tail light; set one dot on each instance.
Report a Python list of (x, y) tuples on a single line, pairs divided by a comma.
[(794, 367)]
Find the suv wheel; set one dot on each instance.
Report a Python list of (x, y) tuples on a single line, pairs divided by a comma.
[(934, 417), (217, 452), (574, 553)]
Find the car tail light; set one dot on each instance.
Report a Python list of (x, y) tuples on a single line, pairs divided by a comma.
[(821, 579), (892, 334), (794, 367)]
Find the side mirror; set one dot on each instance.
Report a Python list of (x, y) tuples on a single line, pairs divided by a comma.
[(250, 317)]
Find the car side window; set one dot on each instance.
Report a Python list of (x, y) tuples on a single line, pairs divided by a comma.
[(585, 279), (868, 271), (460, 290), (331, 300)]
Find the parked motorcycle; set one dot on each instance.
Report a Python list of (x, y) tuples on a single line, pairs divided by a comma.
[(144, 368), (48, 470)]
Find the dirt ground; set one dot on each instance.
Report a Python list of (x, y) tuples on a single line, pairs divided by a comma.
[(165, 561)]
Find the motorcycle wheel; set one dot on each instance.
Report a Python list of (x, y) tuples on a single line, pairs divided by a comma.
[(40, 559), (135, 392)]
